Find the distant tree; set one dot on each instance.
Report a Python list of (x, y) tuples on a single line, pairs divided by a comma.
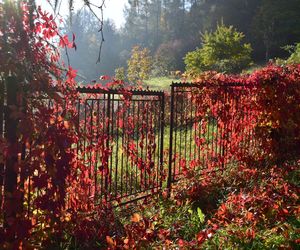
[(276, 24), (173, 16), (139, 64), (222, 50), (120, 74), (84, 26), (165, 59)]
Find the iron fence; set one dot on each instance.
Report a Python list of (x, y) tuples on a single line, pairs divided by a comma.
[(122, 137)]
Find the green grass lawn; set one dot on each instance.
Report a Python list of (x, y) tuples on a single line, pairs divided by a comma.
[(159, 83)]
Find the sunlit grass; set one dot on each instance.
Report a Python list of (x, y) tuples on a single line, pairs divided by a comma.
[(159, 83)]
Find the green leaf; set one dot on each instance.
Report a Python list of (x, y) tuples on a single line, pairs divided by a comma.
[(201, 215)]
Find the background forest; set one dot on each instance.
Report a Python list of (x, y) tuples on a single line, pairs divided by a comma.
[(171, 28)]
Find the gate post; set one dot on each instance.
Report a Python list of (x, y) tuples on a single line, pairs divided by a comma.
[(169, 184)]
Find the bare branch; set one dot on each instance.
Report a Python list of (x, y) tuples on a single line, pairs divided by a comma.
[(56, 8)]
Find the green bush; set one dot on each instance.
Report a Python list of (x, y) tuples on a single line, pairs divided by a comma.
[(294, 57), (221, 51)]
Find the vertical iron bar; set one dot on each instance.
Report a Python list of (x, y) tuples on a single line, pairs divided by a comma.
[(137, 141), (208, 139), (195, 130), (199, 120), (162, 128), (123, 148), (146, 148), (132, 137), (191, 126), (111, 138), (107, 145), (175, 130), (185, 120), (171, 140), (91, 144), (181, 129), (103, 134), (84, 129), (126, 136), (223, 135), (97, 143), (117, 148), (157, 133)]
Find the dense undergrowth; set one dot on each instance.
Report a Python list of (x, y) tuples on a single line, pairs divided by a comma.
[(263, 216), (260, 211)]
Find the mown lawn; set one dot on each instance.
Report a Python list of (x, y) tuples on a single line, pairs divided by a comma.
[(159, 83)]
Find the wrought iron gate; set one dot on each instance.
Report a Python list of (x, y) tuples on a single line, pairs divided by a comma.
[(134, 133)]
